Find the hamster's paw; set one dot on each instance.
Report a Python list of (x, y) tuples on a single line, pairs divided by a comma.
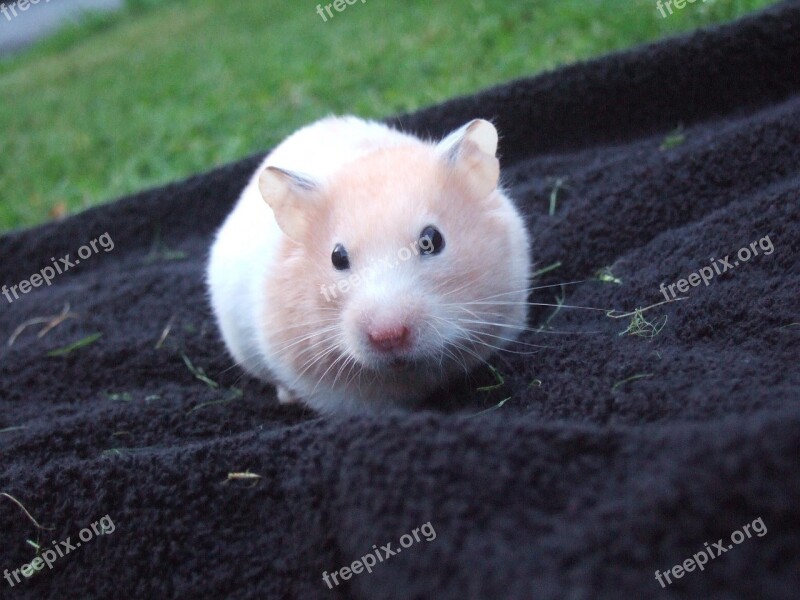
[(286, 396)]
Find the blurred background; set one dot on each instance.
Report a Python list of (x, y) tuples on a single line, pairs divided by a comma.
[(102, 98)]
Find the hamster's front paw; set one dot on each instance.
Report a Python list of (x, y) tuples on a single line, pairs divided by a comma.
[(286, 396)]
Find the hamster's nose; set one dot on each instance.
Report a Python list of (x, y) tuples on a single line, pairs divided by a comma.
[(388, 338)]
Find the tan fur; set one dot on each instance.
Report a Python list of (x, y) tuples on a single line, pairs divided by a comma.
[(382, 200)]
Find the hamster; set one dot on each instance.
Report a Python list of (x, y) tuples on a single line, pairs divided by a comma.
[(363, 267)]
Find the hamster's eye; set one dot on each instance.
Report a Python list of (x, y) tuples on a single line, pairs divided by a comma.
[(431, 240), (339, 258)]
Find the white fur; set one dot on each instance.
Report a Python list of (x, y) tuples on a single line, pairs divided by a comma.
[(245, 250), (245, 246)]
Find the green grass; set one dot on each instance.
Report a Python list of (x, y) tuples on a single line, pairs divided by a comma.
[(168, 88)]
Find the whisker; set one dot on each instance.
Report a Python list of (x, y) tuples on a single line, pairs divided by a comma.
[(446, 351), (323, 332), (500, 349), (506, 303), (321, 353), (537, 287), (303, 337), (319, 381), (341, 368), (509, 340), (458, 289), (526, 328), (472, 353)]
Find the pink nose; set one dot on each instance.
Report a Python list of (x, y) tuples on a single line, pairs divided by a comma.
[(390, 338)]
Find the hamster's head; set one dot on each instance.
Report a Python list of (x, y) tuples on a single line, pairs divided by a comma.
[(411, 259)]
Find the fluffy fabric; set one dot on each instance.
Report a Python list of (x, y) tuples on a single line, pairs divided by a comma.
[(611, 456)]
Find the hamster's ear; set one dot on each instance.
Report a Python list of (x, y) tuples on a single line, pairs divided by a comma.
[(292, 198), (471, 151)]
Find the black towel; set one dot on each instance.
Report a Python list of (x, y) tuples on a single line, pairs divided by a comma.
[(600, 452)]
